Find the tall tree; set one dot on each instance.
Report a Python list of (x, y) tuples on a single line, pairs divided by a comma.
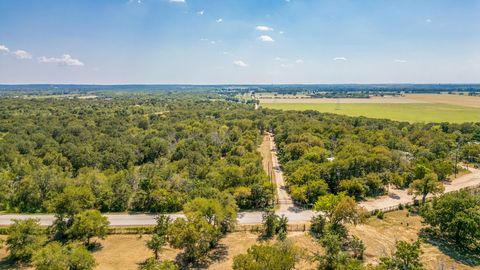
[(25, 237), (429, 184)]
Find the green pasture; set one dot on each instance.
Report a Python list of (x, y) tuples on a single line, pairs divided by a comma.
[(411, 112)]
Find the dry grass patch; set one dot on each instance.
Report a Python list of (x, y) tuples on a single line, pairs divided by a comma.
[(464, 100), (379, 237), (129, 251)]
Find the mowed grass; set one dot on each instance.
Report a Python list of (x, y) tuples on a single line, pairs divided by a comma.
[(413, 112)]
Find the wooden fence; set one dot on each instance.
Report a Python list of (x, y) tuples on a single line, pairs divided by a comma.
[(474, 189)]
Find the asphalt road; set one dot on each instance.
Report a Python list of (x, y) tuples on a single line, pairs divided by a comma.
[(285, 207)]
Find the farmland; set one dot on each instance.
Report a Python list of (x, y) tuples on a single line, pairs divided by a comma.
[(412, 108)]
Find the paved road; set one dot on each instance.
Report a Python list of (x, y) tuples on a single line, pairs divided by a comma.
[(286, 206), (401, 196)]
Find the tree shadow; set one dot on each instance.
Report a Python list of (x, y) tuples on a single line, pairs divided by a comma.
[(449, 248), (218, 254), (393, 196), (8, 264), (94, 246)]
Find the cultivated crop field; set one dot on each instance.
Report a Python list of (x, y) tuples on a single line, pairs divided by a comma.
[(421, 108)]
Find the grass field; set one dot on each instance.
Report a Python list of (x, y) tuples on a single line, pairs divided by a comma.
[(411, 112), (129, 251)]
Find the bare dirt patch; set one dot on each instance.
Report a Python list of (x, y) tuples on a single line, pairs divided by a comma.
[(266, 153)]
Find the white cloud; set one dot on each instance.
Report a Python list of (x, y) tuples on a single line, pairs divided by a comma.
[(400, 61), (4, 49), (280, 59), (240, 63), (176, 1), (283, 65), (263, 28), (265, 38), (201, 12), (219, 20), (281, 32), (134, 1), (21, 54), (299, 61), (65, 60), (428, 20), (339, 59)]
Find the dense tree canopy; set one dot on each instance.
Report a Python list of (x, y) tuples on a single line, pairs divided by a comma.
[(323, 153), (456, 216), (149, 152)]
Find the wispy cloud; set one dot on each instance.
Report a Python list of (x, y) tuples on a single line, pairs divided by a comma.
[(281, 59), (21, 54), (65, 60), (265, 38), (177, 1), (219, 20), (428, 20), (299, 61), (340, 59), (201, 12), (4, 49), (240, 63), (134, 1), (400, 61), (263, 28)]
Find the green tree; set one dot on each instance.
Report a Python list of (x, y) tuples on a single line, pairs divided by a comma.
[(88, 224), (25, 237), (222, 214), (79, 258), (406, 257), (456, 216), (153, 264), (280, 256), (54, 256), (335, 258), (50, 257), (159, 235), (270, 223), (429, 184), (195, 236), (340, 209)]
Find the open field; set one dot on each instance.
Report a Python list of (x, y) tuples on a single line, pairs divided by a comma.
[(374, 100), (127, 252), (424, 112), (464, 100), (379, 237)]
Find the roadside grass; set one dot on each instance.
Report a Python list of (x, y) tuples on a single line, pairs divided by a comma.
[(414, 112)]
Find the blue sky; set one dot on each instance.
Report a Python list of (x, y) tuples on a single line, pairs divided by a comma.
[(239, 41)]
